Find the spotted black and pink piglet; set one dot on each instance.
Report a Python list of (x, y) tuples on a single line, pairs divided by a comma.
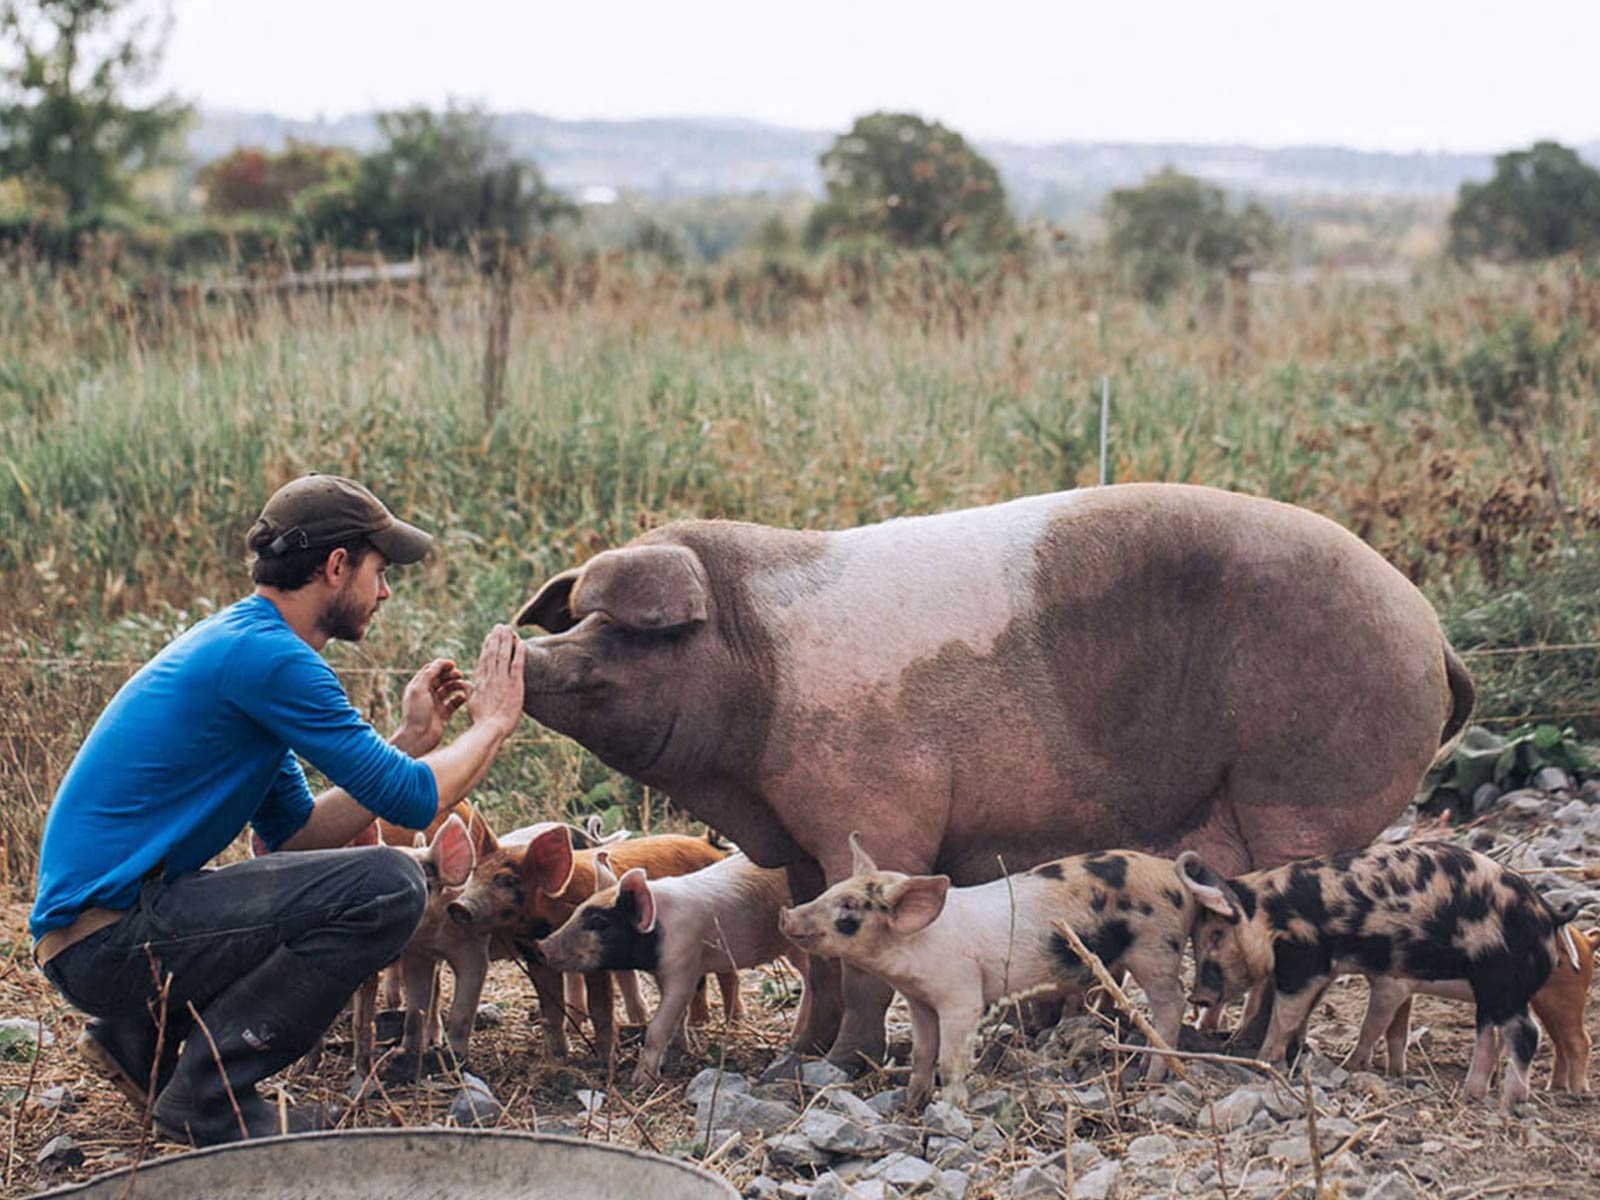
[(955, 951), (1423, 911)]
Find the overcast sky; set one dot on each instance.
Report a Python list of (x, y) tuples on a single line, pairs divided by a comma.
[(1401, 74)]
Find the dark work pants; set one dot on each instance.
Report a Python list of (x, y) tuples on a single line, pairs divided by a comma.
[(346, 912)]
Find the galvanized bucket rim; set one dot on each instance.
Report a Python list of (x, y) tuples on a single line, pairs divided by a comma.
[(698, 1173)]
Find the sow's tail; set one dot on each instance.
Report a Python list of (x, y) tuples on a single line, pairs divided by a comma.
[(1462, 694)]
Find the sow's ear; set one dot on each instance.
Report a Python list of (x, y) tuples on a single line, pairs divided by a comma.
[(915, 902), (550, 607), (642, 587), (1210, 890)]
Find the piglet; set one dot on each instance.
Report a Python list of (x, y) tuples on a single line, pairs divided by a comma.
[(1432, 912), (523, 893), (447, 861), (1559, 1005), (953, 952), (721, 918)]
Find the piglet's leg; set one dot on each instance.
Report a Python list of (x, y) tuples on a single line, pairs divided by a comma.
[(675, 996), (1289, 1015), (471, 966), (1396, 1037), (1559, 1006), (732, 1000), (552, 1010), (1522, 1039), (601, 1008), (363, 1013), (956, 1027), (1384, 997), (1164, 988), (1483, 1056), (632, 998), (924, 1053), (573, 997)]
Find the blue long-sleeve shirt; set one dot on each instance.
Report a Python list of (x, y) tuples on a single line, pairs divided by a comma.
[(200, 741)]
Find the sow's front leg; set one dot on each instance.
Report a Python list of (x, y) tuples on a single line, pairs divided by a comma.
[(822, 1006)]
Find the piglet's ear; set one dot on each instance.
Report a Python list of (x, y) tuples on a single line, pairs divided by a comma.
[(635, 888), (258, 848), (367, 837), (604, 876), (547, 863), (1210, 889), (915, 902), (451, 855), (860, 861)]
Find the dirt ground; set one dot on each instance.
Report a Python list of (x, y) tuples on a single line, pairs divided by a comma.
[(1423, 1130)]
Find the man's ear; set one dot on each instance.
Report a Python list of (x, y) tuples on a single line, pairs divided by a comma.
[(547, 863), (335, 567), (915, 902)]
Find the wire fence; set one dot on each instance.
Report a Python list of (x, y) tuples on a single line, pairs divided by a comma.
[(81, 662)]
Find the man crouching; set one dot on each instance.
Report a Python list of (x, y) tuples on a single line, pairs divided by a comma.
[(203, 739)]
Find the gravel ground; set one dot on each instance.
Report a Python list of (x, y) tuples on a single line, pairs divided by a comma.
[(1050, 1114)]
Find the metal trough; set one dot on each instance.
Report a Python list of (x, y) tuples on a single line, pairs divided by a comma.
[(410, 1164)]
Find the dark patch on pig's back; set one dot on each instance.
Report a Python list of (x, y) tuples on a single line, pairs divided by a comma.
[(1108, 941)]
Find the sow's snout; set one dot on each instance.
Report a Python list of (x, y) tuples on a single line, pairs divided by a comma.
[(557, 665)]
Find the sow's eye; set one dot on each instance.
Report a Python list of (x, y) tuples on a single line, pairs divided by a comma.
[(595, 919), (1214, 940)]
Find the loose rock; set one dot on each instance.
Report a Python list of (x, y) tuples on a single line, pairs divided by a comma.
[(948, 1120), (488, 1016), (60, 1153), (744, 1113), (833, 1133), (822, 1073), (474, 1105), (1100, 1183), (903, 1172), (702, 1085), (1151, 1148), (795, 1150)]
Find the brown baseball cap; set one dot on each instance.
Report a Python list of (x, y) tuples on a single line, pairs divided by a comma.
[(326, 510)]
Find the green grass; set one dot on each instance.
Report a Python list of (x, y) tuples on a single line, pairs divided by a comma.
[(135, 452)]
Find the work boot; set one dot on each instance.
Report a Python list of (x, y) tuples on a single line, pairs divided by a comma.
[(258, 1026), (122, 1050)]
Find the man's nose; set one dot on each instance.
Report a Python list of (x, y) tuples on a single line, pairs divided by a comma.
[(383, 588)]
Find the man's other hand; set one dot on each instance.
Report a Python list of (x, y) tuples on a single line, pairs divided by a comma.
[(429, 701), (496, 694)]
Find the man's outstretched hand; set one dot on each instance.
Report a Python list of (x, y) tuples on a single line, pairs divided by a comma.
[(429, 701), (496, 691)]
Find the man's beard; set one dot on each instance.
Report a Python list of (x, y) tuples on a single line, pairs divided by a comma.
[(345, 618)]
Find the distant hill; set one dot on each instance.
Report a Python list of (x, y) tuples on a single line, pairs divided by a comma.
[(671, 158)]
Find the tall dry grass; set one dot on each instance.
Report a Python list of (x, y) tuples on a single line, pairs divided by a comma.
[(1450, 420)]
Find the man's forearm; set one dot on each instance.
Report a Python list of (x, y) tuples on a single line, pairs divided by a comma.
[(458, 767), (336, 816)]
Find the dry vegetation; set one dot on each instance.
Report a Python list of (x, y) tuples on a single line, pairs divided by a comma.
[(1451, 420)]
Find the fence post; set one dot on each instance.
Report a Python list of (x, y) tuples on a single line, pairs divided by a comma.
[(497, 344), (1239, 316)]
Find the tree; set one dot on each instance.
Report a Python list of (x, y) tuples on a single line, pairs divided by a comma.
[(438, 178), (1172, 223), (64, 124), (1541, 202), (254, 180), (915, 183)]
